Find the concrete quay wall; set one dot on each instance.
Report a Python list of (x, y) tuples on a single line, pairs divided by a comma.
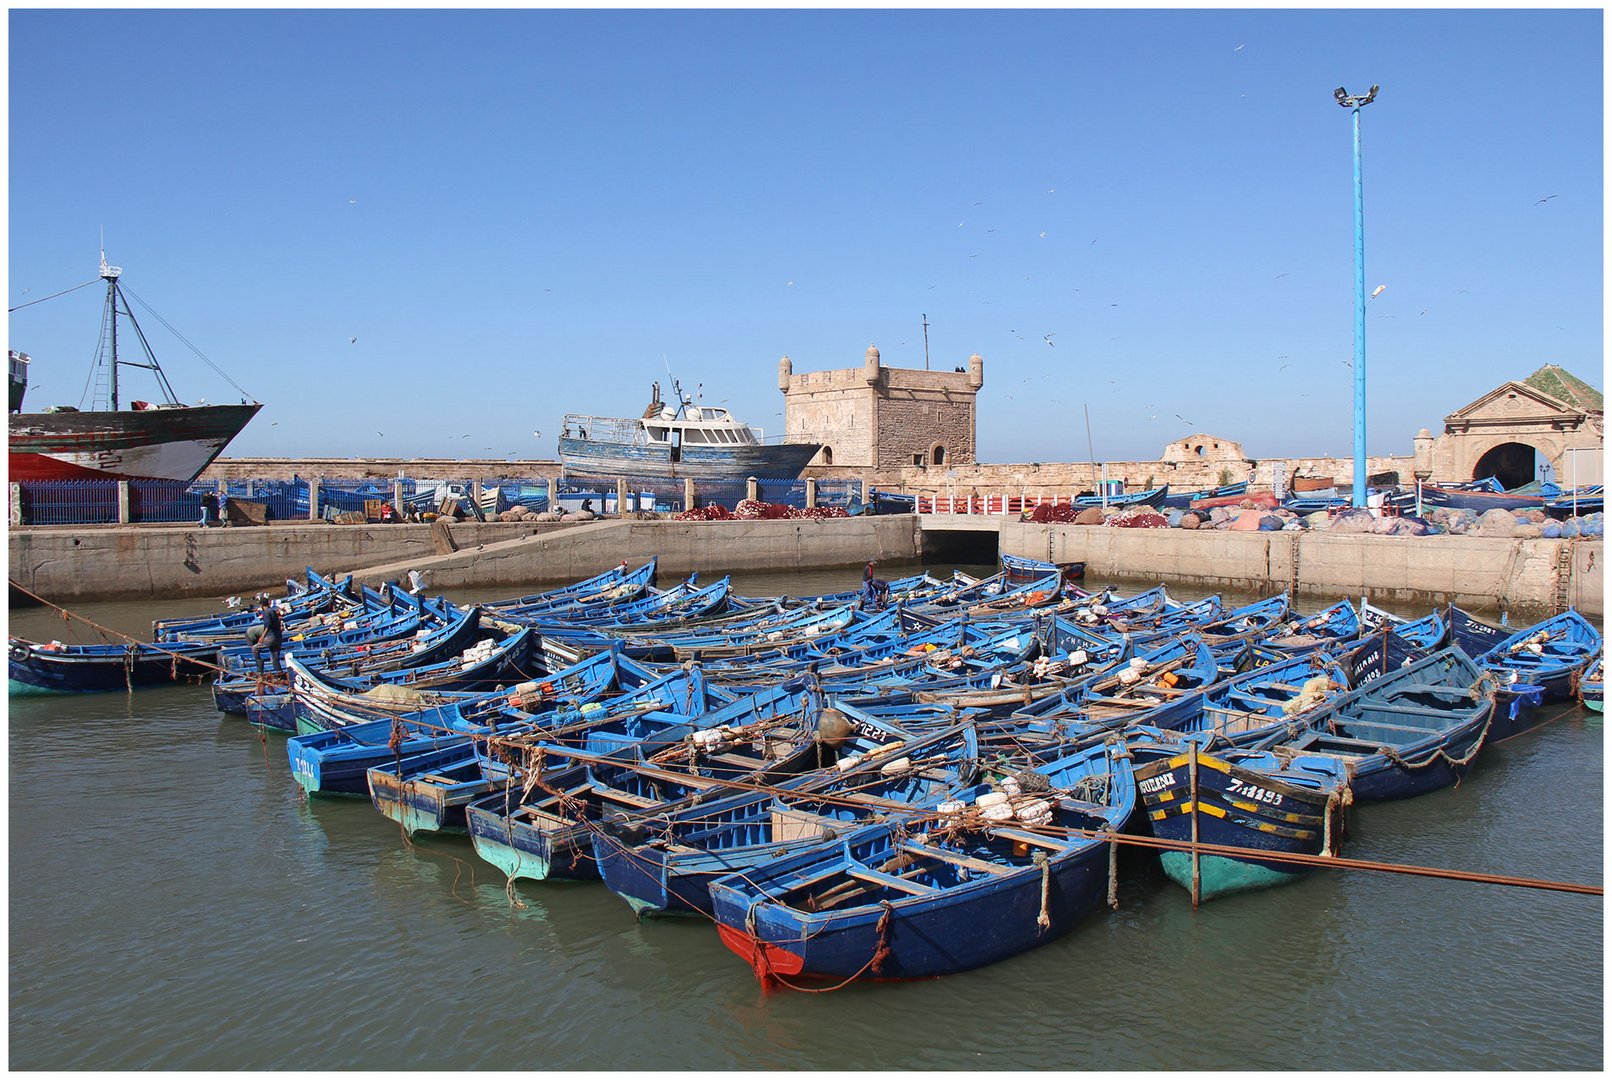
[(682, 547), (1469, 571), (148, 562)]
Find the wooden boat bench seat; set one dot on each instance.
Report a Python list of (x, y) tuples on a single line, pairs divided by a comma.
[(1397, 727), (879, 877), (1443, 689), (955, 857), (1028, 838), (1411, 709), (618, 795)]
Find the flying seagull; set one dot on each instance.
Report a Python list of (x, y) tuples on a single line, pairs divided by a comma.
[(1546, 199), (1378, 291), (1183, 419), (352, 341)]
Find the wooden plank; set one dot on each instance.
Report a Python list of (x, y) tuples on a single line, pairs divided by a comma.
[(1028, 838), (954, 857), (877, 878)]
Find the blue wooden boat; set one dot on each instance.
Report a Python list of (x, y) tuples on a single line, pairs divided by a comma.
[(429, 792), (549, 833), (1480, 501), (1162, 687), (1475, 636), (1576, 502), (1408, 732), (234, 693), (319, 596), (322, 701), (1248, 799), (54, 667), (594, 587), (1328, 628), (1590, 686), (1150, 497), (335, 761), (1551, 654), (896, 901), (1184, 499), (1426, 633), (664, 863)]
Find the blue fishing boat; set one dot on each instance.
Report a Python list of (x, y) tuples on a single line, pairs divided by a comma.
[(664, 863), (335, 761), (992, 876), (1405, 733), (322, 702), (1184, 499), (1329, 628), (1551, 654), (55, 667), (1475, 636), (1150, 497), (549, 832), (429, 792), (1248, 799), (597, 586), (1590, 686)]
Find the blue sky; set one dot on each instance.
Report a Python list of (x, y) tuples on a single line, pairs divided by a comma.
[(519, 214)]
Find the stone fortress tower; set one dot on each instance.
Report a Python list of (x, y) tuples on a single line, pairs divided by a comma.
[(883, 418)]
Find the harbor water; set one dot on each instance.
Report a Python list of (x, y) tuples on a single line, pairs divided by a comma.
[(176, 903)]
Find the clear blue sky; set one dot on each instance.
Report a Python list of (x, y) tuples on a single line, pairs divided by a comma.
[(518, 214)]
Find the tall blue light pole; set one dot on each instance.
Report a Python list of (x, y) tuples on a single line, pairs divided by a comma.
[(1353, 104)]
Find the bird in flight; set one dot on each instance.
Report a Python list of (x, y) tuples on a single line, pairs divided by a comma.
[(1378, 291), (1546, 199), (1238, 48), (1284, 367), (1048, 339), (1183, 419), (352, 341)]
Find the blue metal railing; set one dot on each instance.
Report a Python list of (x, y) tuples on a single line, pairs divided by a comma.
[(90, 502)]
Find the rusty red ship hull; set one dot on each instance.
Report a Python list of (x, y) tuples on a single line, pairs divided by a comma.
[(159, 443)]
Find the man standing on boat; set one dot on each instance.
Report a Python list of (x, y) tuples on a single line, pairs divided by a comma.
[(269, 638)]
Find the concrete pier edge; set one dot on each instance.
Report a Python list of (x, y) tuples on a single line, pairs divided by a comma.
[(64, 565)]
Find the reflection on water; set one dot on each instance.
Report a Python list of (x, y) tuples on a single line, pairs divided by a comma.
[(176, 904)]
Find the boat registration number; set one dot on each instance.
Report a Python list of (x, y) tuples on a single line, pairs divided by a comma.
[(1258, 794)]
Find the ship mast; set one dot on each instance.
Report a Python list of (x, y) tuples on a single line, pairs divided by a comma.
[(109, 274), (114, 295)]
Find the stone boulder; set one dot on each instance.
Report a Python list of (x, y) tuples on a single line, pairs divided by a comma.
[(1190, 521)]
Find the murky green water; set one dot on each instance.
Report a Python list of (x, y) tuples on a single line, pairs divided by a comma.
[(174, 904)]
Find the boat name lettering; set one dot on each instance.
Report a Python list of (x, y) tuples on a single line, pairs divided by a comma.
[(1156, 783)]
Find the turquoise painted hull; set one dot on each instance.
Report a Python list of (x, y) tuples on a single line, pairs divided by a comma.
[(1220, 876)]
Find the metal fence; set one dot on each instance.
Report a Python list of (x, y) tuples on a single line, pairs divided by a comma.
[(91, 502)]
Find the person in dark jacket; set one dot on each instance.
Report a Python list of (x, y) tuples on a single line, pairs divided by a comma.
[(272, 633)]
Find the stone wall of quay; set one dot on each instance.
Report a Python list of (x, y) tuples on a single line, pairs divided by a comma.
[(1478, 573), (148, 562)]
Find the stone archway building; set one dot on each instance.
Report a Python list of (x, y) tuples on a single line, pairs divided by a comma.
[(1551, 413)]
